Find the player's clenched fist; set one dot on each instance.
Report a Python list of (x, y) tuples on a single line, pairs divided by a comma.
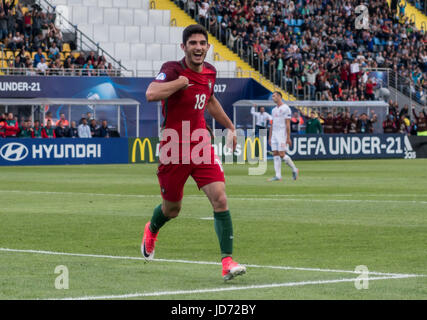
[(184, 81)]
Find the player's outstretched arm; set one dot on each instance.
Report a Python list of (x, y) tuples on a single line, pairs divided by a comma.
[(162, 90)]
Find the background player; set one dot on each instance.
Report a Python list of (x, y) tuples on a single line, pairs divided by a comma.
[(280, 137), (186, 89)]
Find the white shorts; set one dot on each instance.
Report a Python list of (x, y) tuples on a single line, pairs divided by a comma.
[(278, 142)]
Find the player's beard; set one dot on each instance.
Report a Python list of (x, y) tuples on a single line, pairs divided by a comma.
[(197, 60)]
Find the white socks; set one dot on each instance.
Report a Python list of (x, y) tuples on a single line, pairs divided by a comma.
[(278, 166), (289, 162)]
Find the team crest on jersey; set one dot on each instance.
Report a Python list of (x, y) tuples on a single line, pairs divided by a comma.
[(161, 76)]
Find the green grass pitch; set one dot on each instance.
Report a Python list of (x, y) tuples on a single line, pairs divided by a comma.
[(299, 239)]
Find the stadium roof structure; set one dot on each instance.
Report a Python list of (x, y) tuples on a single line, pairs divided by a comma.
[(74, 102)]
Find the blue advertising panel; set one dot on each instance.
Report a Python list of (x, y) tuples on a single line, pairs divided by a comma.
[(14, 152), (349, 146)]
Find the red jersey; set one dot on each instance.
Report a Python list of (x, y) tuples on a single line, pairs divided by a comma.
[(187, 104)]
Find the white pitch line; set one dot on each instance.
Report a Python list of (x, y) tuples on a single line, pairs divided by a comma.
[(204, 262), (266, 198), (233, 288)]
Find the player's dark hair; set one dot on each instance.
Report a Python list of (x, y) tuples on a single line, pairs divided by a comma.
[(193, 29), (279, 93)]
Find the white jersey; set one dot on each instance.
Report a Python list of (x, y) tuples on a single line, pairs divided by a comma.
[(261, 119), (280, 114)]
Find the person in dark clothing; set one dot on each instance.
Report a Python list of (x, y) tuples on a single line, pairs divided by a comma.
[(328, 123), (339, 123), (421, 121), (295, 123), (61, 130), (72, 131), (364, 124), (104, 131), (94, 130), (389, 125)]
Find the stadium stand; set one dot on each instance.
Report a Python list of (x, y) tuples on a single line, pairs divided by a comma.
[(308, 47), (25, 27)]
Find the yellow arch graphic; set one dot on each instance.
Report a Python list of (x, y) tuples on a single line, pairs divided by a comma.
[(142, 149), (252, 143)]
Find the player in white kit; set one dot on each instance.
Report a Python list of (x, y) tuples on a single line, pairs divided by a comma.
[(280, 137)]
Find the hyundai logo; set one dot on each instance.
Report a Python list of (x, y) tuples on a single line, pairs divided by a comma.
[(14, 151)]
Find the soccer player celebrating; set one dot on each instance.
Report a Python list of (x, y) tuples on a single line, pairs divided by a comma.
[(186, 88), (280, 137)]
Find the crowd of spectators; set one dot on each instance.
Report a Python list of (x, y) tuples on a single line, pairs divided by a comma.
[(62, 128), (38, 46), (333, 122), (316, 43), (399, 120)]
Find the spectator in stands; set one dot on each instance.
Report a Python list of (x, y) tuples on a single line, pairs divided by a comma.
[(88, 69), (328, 123), (389, 124), (28, 24), (83, 129), (421, 122), (339, 123), (37, 21), (38, 57), (2, 126), (94, 132), (53, 52), (203, 13), (56, 67), (18, 63), (63, 119), (36, 130), (72, 131), (352, 124), (104, 131), (370, 85), (42, 66), (403, 125), (313, 125), (364, 124), (91, 57), (295, 122), (30, 69), (80, 60), (39, 41), (12, 127), (48, 117), (48, 131), (61, 130), (3, 24), (25, 129)]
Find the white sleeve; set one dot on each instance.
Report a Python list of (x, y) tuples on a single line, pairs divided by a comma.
[(288, 114), (253, 111)]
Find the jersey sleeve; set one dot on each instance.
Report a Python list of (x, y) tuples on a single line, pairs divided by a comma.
[(287, 114), (168, 72)]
